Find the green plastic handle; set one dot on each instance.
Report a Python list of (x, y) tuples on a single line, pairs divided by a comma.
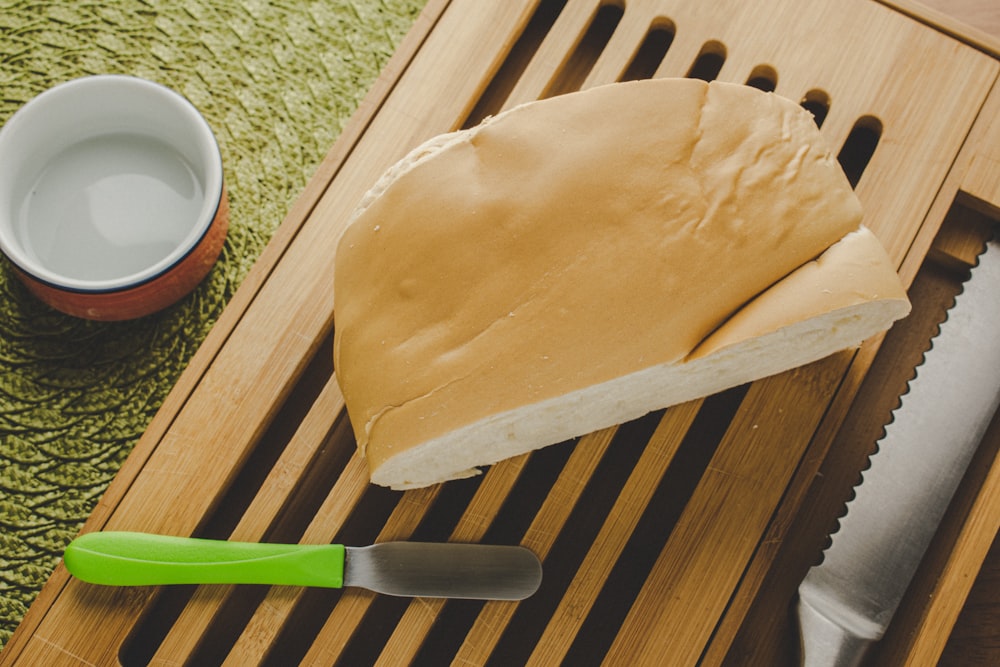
[(143, 559)]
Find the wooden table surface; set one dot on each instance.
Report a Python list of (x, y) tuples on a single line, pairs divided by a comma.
[(980, 14)]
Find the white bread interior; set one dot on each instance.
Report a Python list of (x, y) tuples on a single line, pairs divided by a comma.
[(578, 262)]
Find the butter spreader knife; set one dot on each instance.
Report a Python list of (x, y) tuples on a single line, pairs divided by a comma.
[(411, 569), (847, 601)]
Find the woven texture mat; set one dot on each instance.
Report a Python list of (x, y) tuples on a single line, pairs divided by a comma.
[(277, 81)]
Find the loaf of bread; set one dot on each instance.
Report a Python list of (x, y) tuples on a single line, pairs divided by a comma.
[(577, 262)]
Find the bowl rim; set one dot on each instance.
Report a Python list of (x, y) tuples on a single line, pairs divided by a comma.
[(213, 185)]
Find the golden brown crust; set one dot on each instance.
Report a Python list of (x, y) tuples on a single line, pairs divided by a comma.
[(570, 242)]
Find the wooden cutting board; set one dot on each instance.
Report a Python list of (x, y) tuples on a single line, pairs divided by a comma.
[(675, 539)]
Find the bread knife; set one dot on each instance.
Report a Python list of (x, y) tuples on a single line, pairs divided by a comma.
[(847, 601), (410, 569)]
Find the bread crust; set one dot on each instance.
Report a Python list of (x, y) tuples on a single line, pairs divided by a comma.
[(512, 285)]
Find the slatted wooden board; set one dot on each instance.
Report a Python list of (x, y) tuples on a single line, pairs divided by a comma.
[(675, 539)]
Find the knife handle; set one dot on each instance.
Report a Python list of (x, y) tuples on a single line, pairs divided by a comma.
[(142, 559), (826, 643)]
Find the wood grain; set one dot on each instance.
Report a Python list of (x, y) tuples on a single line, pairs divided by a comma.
[(981, 15)]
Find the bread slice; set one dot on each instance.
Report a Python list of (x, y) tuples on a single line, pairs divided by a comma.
[(577, 262)]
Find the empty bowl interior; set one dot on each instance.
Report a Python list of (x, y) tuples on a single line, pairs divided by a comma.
[(106, 182)]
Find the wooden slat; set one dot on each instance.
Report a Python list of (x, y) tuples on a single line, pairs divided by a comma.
[(552, 53), (981, 183), (624, 41)]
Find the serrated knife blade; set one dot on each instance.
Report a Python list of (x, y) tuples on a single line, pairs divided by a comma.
[(846, 602)]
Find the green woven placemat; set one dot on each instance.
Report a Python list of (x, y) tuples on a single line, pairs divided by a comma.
[(277, 81)]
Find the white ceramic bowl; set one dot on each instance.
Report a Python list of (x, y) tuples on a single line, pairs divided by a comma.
[(112, 201)]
